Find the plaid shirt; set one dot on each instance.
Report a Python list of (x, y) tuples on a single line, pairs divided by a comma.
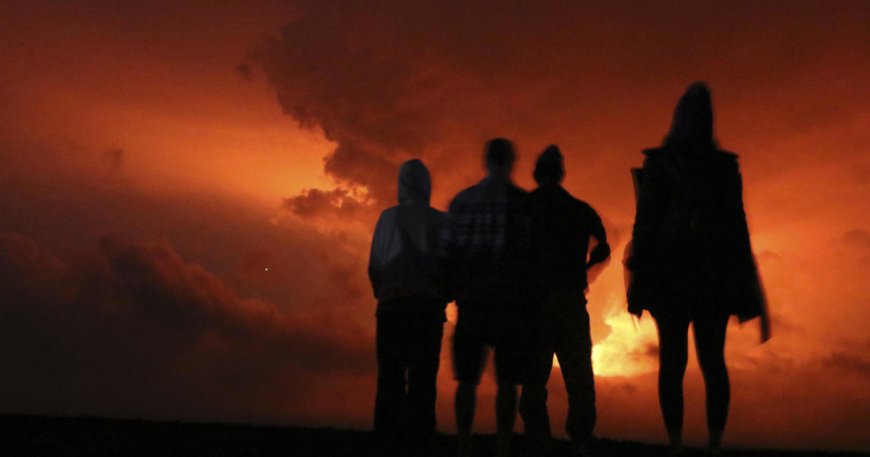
[(487, 240)]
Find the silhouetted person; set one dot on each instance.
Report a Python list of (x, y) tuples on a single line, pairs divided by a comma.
[(407, 277), (691, 259), (488, 249), (561, 228)]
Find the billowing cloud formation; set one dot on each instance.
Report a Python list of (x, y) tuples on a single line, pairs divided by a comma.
[(316, 203), (435, 79), (128, 325), (132, 327)]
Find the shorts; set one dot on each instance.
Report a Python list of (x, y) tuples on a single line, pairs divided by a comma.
[(514, 358)]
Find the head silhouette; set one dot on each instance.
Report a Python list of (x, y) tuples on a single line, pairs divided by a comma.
[(549, 169), (499, 155), (693, 117), (415, 185)]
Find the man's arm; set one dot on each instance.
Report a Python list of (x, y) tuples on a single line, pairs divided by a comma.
[(602, 250), (447, 250), (442, 255)]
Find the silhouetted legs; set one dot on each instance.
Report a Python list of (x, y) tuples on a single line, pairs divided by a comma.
[(422, 375), (533, 407), (465, 402), (709, 332), (475, 331), (574, 351), (505, 411), (513, 358), (505, 415), (469, 353), (389, 400), (565, 333), (408, 349), (673, 356), (710, 346)]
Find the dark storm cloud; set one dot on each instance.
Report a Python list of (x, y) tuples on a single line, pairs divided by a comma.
[(354, 163), (435, 79), (857, 239), (255, 248), (132, 327), (113, 158), (245, 70), (316, 203), (850, 362), (385, 85), (202, 308)]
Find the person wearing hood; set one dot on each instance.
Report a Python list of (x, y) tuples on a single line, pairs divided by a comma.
[(562, 227), (691, 259), (487, 247), (407, 277)]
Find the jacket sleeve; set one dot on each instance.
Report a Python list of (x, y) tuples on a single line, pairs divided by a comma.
[(639, 264), (735, 209), (375, 257), (752, 301), (650, 205)]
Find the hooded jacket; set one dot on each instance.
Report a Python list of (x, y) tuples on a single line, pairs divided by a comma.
[(405, 261)]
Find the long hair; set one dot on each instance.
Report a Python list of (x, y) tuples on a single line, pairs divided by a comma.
[(692, 124)]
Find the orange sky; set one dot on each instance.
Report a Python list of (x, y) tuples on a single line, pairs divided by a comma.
[(157, 219)]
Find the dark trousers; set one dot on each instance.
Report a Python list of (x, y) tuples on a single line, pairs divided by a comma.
[(564, 331), (408, 350), (709, 329)]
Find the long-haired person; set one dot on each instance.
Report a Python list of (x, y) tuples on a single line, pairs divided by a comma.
[(691, 261)]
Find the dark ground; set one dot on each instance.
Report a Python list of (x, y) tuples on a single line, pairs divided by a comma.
[(50, 436)]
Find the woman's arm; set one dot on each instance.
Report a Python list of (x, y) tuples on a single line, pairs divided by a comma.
[(652, 194), (650, 205)]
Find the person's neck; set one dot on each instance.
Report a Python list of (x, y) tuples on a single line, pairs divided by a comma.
[(499, 176)]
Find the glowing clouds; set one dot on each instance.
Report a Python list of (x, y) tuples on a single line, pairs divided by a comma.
[(631, 347)]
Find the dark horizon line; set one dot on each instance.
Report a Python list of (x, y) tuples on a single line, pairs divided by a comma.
[(12, 424)]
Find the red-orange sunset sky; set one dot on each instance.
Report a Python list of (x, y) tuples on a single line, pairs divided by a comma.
[(188, 192)]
